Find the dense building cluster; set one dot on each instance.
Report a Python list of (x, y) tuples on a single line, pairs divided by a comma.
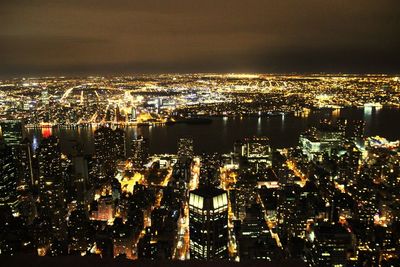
[(330, 201), (167, 99)]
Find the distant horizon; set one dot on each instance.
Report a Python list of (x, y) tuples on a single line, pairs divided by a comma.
[(86, 37), (350, 74)]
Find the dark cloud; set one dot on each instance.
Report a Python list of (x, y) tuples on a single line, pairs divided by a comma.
[(88, 37)]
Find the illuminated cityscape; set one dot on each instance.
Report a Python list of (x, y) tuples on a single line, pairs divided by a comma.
[(168, 99), (204, 133), (329, 200)]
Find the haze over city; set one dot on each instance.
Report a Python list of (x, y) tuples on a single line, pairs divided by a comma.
[(121, 37)]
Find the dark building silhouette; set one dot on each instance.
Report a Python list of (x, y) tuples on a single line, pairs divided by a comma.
[(8, 177), (140, 151), (52, 198), (185, 148), (109, 147)]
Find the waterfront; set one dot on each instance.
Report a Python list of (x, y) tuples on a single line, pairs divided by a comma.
[(218, 136)]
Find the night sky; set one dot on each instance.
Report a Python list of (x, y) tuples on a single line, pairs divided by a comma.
[(77, 37)]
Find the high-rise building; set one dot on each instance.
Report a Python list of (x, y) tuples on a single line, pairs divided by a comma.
[(210, 169), (80, 178), (132, 115), (79, 230), (104, 209), (12, 131), (316, 142), (331, 245), (110, 143), (357, 130), (185, 148), (288, 213), (140, 151), (8, 177), (255, 240), (109, 147), (52, 200), (245, 195), (208, 223), (26, 164), (255, 150)]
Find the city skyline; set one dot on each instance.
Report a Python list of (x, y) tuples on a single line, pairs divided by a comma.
[(200, 133), (227, 167)]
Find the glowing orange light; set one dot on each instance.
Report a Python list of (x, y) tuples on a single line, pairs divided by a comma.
[(47, 132)]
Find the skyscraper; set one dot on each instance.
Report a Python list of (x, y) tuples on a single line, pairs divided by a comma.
[(8, 177), (25, 161), (140, 151), (12, 132), (109, 144), (52, 202), (255, 240), (331, 245), (210, 169), (208, 223), (185, 148), (255, 150), (80, 178), (109, 147)]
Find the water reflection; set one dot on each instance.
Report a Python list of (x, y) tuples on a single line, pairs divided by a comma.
[(259, 126), (283, 131)]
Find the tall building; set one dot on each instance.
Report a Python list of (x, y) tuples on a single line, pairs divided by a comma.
[(208, 223), (8, 177), (140, 151), (79, 230), (12, 131), (80, 179), (331, 245), (288, 212), (358, 129), (109, 147), (26, 165), (52, 199), (255, 150), (210, 169), (132, 115), (185, 148), (255, 240), (316, 142), (109, 143)]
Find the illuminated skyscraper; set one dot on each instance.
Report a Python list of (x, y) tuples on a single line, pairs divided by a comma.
[(132, 115), (109, 144), (255, 240), (8, 177), (255, 150), (12, 132), (210, 169), (331, 245), (52, 202), (26, 165), (79, 227), (208, 223), (185, 148), (109, 147), (80, 178), (140, 151), (316, 142)]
